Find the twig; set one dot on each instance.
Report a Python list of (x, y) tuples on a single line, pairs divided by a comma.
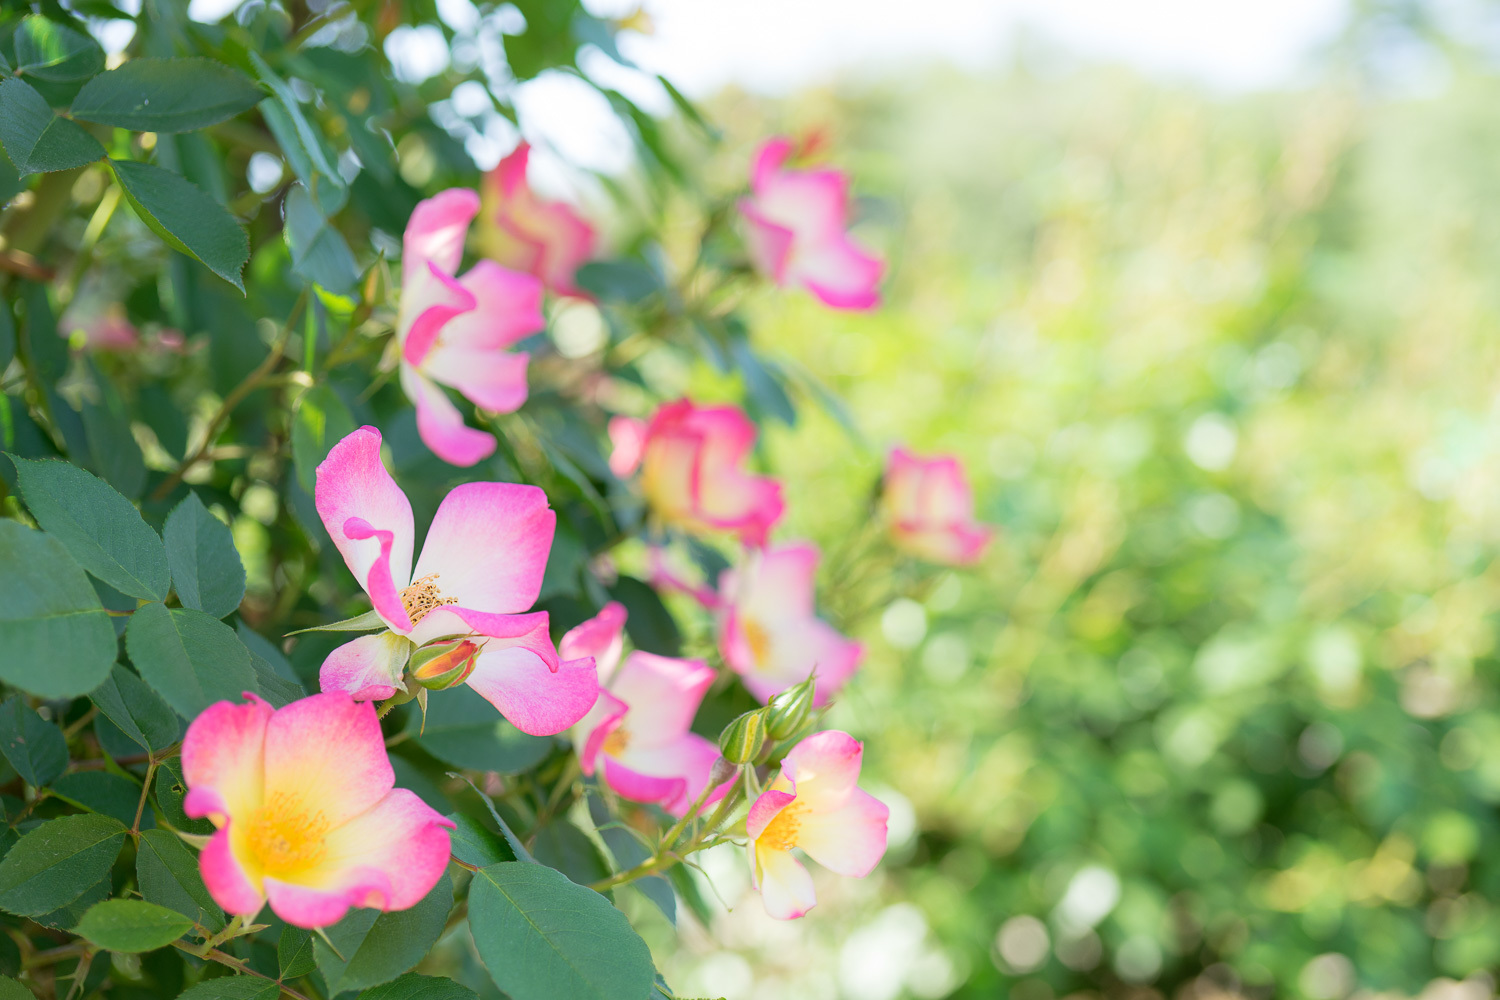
[(140, 807), (216, 955)]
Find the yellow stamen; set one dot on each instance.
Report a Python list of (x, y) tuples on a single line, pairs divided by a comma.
[(781, 833), (287, 836), (616, 742), (423, 597), (759, 641)]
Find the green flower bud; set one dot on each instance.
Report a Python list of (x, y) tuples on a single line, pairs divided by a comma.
[(789, 709), (742, 739), (443, 665)]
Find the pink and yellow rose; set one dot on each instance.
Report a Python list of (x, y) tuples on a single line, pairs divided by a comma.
[(929, 509), (546, 239)]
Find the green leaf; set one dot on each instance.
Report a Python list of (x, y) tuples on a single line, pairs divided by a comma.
[(563, 846), (618, 280), (378, 947), (367, 622), (34, 747), (101, 529), (103, 793), (56, 640), (54, 52), (303, 144), (465, 730), (12, 990), (171, 789), (511, 840), (168, 875), (132, 925), (319, 251), (650, 625), (206, 568), (542, 937), (114, 454), (189, 220), (136, 710), (475, 845), (166, 95), (36, 140), (7, 318), (57, 862), (414, 987), (320, 422), (191, 659), (233, 988), (294, 953)]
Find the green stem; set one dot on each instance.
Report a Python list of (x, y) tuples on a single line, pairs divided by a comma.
[(140, 807)]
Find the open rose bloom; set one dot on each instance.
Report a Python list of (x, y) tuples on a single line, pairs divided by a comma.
[(308, 815), (602, 637), (930, 510), (768, 631), (455, 331), (638, 734), (815, 806), (480, 568), (547, 239), (797, 222), (691, 461)]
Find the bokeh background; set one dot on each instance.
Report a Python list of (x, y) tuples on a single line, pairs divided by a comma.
[(1207, 302)]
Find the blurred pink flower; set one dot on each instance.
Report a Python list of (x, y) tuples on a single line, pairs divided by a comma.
[(547, 239), (455, 331), (307, 811), (481, 566), (797, 228), (691, 460), (602, 637), (930, 510), (638, 734), (104, 329), (815, 805), (768, 631)]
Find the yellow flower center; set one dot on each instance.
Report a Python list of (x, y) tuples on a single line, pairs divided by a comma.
[(287, 837), (422, 597), (759, 641), (616, 742), (781, 833)]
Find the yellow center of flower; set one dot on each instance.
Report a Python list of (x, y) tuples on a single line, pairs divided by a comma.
[(422, 597), (781, 833), (759, 641), (286, 836), (616, 742)]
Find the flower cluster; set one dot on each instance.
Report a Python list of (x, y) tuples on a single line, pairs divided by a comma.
[(308, 819)]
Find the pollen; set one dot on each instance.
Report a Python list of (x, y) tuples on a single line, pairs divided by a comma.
[(616, 742), (423, 597), (759, 641), (781, 833), (287, 836)]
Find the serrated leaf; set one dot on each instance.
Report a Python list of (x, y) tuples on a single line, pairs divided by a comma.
[(233, 988), (166, 95), (187, 218), (101, 529), (136, 710), (294, 953), (319, 251), (378, 947), (132, 925), (543, 937), (34, 746), (475, 845), (465, 730), (189, 658), (206, 569), (168, 875), (57, 862), (50, 616), (367, 622), (103, 793), (54, 52), (414, 987), (36, 140)]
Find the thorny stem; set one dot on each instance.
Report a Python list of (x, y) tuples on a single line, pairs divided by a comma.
[(236, 396), (216, 955)]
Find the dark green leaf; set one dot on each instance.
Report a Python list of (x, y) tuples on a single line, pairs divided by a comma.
[(618, 280), (206, 569), (7, 318), (233, 988), (132, 925), (47, 352), (136, 710), (57, 862), (319, 251), (12, 990), (102, 792), (171, 789), (294, 953), (511, 840), (763, 385), (189, 220), (190, 659), (650, 625), (414, 987), (34, 746), (113, 452), (51, 51), (36, 140), (378, 947), (563, 846), (101, 529), (55, 638), (168, 875), (166, 95), (367, 622), (543, 937), (477, 846), (320, 422), (466, 731)]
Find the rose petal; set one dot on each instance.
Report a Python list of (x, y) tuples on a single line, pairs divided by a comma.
[(489, 544), (354, 491)]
